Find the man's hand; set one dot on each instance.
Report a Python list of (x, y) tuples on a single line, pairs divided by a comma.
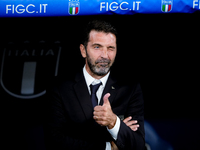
[(104, 115), (113, 146), (131, 123)]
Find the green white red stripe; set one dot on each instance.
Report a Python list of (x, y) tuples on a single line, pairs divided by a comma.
[(166, 7), (73, 10)]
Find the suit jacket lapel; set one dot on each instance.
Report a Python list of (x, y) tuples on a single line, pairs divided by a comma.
[(83, 96), (111, 87)]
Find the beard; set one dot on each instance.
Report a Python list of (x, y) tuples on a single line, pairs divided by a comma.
[(100, 67)]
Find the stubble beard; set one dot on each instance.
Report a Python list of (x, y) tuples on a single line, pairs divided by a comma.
[(100, 67)]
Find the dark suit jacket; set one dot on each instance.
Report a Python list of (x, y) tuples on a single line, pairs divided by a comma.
[(69, 119)]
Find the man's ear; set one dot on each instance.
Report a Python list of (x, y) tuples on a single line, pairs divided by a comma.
[(83, 50)]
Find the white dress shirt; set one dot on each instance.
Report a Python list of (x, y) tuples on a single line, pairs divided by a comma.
[(90, 80)]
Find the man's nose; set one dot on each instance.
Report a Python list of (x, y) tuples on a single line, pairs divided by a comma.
[(104, 53)]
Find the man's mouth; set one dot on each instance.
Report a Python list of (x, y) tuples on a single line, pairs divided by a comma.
[(103, 64), (103, 61)]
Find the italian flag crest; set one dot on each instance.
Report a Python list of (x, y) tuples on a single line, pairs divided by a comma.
[(166, 5), (74, 7)]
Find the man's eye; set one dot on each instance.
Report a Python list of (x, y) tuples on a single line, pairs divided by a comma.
[(96, 47), (111, 49)]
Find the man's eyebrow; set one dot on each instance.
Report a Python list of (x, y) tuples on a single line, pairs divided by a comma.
[(112, 47), (97, 44)]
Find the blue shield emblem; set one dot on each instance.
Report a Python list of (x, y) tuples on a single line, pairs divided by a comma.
[(74, 7), (166, 5)]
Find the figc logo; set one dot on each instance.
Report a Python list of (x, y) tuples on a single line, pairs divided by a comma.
[(166, 5), (74, 7)]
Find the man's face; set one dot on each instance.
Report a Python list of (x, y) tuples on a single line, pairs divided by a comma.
[(100, 54)]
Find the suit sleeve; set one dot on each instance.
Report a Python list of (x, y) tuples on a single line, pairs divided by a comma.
[(55, 127), (128, 139)]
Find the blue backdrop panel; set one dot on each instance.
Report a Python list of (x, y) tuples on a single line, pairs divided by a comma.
[(28, 8)]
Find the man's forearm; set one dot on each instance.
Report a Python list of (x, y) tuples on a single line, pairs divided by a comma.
[(129, 139)]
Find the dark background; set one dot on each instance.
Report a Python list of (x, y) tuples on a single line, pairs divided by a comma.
[(158, 50)]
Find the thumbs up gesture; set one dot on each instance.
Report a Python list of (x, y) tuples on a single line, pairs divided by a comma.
[(104, 115)]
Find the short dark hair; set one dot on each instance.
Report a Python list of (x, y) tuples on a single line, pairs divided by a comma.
[(100, 26)]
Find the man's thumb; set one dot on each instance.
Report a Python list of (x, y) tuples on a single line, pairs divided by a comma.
[(105, 99)]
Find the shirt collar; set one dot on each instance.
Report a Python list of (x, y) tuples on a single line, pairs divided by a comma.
[(89, 79)]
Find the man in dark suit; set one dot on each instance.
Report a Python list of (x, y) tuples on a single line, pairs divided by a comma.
[(88, 112)]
